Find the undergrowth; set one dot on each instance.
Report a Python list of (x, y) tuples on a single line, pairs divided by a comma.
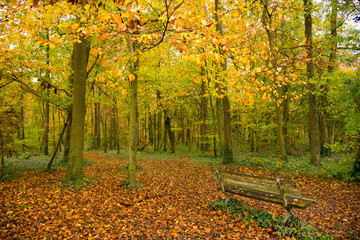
[(294, 227)]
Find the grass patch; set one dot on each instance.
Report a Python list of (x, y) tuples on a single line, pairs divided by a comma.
[(8, 173), (294, 227), (78, 183)]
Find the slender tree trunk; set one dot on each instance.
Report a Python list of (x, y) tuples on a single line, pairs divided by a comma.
[(213, 126), (150, 128), (133, 117), (325, 136), (267, 22), (313, 116), (97, 127), (57, 146), (2, 167), (75, 162), (155, 142), (159, 122), (105, 129), (22, 128), (45, 147), (280, 134), (203, 113), (69, 113), (170, 133)]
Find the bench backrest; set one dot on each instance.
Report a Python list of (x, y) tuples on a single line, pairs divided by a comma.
[(260, 183)]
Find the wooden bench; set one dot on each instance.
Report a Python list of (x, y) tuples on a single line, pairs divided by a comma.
[(275, 190)]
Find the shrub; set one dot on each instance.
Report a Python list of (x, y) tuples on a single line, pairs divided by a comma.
[(294, 227)]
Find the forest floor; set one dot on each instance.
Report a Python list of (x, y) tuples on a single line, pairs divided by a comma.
[(172, 203)]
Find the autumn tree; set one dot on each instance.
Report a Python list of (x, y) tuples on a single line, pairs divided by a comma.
[(313, 114)]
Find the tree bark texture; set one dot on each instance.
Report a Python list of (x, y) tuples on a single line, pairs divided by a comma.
[(228, 146), (313, 116), (75, 162), (133, 117)]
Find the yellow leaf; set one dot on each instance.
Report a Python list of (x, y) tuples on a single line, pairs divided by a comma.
[(52, 46), (131, 77)]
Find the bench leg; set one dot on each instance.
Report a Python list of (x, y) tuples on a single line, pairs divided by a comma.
[(228, 198), (289, 213)]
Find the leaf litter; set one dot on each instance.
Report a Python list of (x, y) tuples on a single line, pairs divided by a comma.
[(172, 203)]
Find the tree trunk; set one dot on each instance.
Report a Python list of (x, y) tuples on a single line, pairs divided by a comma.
[(133, 117), (46, 129), (97, 128), (57, 146), (280, 134), (170, 133), (69, 113), (313, 117), (105, 129), (22, 128), (203, 113), (267, 22), (325, 136), (2, 167), (228, 148), (159, 121), (75, 162)]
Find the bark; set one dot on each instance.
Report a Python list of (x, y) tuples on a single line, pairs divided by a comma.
[(69, 113), (105, 129), (325, 136), (267, 22), (204, 140), (150, 128), (75, 163), (22, 128), (280, 135), (2, 167), (228, 148), (170, 133), (133, 118), (213, 125), (313, 115), (45, 142), (113, 127), (159, 121), (57, 145), (97, 128)]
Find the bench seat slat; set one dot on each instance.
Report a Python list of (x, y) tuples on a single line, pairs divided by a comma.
[(295, 202)]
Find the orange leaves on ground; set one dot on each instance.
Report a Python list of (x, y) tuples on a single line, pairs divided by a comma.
[(171, 204)]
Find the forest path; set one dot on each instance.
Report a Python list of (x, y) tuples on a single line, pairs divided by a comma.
[(173, 203)]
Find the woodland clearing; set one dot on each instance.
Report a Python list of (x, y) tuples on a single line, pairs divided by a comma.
[(172, 203)]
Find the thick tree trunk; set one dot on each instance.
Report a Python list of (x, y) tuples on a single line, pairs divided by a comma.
[(75, 162), (313, 116), (133, 118), (228, 148)]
